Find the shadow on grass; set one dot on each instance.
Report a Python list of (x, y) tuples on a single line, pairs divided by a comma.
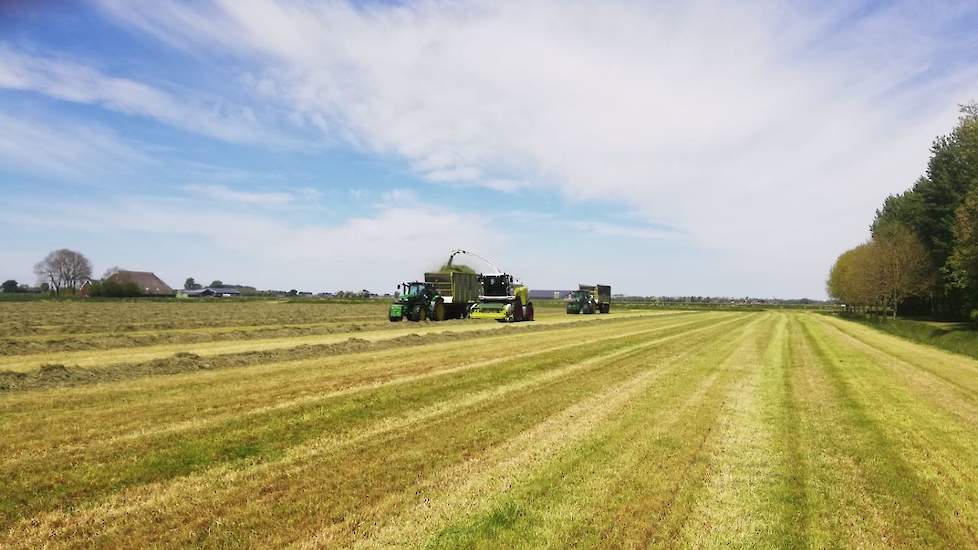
[(957, 337)]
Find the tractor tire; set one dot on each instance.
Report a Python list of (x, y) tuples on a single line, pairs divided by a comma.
[(417, 315), (438, 311), (517, 311), (528, 314)]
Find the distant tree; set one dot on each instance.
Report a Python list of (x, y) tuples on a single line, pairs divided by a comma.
[(215, 284), (9, 286), (929, 209), (903, 267), (293, 292), (111, 271), (111, 288), (852, 278), (191, 284), (64, 269), (882, 272), (962, 266), (45, 287)]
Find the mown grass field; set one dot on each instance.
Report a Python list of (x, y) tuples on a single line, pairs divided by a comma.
[(323, 425)]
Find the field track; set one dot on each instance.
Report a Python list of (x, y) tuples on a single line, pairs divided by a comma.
[(712, 429)]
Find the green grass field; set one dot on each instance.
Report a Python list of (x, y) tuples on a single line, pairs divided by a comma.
[(318, 425)]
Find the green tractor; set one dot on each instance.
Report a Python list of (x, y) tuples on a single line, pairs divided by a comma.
[(442, 296), (417, 302), (581, 301), (589, 299)]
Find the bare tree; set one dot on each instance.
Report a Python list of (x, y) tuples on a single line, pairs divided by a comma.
[(111, 271), (64, 269)]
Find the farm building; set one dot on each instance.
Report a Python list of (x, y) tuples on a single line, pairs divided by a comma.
[(149, 284), (549, 294), (219, 292)]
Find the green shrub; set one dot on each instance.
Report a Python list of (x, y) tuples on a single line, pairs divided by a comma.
[(114, 289)]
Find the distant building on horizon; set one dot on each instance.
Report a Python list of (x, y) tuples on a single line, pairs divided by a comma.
[(217, 292), (549, 294), (149, 284)]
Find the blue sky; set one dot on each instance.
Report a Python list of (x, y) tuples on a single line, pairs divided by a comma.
[(688, 148)]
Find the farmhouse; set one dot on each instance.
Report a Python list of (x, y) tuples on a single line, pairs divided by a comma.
[(149, 284)]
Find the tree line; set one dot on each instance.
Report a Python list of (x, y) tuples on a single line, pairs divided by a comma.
[(922, 255), (67, 271)]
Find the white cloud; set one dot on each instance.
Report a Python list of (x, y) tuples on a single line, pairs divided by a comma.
[(68, 80), (767, 133), (617, 230), (64, 149), (373, 250), (399, 196), (224, 193)]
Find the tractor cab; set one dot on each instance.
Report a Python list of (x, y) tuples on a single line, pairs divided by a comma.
[(414, 289), (412, 301), (502, 299), (581, 301), (497, 285)]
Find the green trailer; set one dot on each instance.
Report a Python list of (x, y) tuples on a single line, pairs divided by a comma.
[(457, 292), (442, 295)]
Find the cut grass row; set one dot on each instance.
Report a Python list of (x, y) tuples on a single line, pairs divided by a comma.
[(95, 469), (714, 429), (103, 357), (77, 415), (78, 317)]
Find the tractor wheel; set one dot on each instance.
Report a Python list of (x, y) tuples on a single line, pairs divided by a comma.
[(438, 311), (517, 311), (528, 315), (422, 314)]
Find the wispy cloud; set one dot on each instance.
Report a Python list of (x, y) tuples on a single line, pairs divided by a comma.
[(223, 193), (399, 196), (69, 150), (367, 251), (197, 112), (766, 132), (642, 232)]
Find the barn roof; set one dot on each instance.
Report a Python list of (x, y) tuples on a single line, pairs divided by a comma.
[(223, 290), (148, 283)]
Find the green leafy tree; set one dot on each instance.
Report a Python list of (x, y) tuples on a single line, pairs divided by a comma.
[(902, 267), (852, 279), (962, 268), (111, 288), (930, 208), (9, 286), (215, 284), (191, 284)]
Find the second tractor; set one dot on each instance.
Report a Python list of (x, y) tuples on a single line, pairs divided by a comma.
[(590, 299)]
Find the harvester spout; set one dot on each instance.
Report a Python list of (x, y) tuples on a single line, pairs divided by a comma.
[(458, 251)]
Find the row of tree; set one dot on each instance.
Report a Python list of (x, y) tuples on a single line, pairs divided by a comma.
[(922, 256), (882, 272), (192, 284)]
